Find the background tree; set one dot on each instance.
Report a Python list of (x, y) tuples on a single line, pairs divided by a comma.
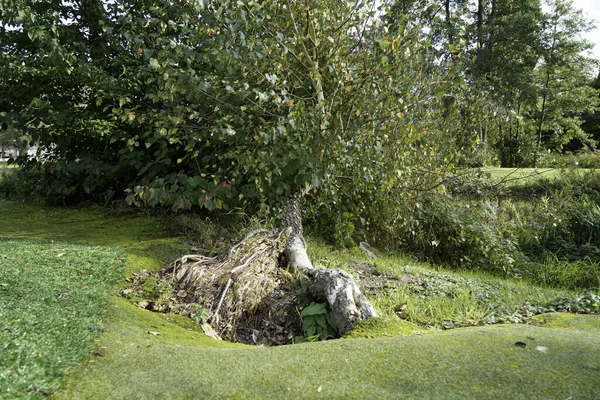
[(591, 124), (564, 76), (222, 105)]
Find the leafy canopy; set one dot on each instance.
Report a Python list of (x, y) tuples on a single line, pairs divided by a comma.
[(224, 104)]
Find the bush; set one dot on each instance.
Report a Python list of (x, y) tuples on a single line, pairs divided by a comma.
[(460, 233), (545, 231)]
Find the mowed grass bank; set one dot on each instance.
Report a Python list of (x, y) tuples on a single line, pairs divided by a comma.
[(481, 362), (58, 267), (52, 307)]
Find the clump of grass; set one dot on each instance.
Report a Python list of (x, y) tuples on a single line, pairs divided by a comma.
[(52, 305), (434, 298)]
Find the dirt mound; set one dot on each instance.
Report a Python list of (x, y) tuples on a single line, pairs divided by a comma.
[(274, 321), (247, 296)]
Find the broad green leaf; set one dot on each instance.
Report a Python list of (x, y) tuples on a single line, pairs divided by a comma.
[(314, 309)]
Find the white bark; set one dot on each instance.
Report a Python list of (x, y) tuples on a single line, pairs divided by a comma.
[(296, 254), (337, 287)]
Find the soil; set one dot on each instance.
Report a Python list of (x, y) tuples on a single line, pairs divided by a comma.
[(275, 321), (373, 282)]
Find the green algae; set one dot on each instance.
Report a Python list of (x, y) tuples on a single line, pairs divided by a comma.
[(383, 327), (587, 322)]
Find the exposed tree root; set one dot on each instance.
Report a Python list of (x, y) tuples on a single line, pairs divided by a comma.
[(237, 287), (250, 296), (337, 287)]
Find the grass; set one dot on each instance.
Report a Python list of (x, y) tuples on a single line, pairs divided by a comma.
[(435, 298), (5, 168), (518, 178), (55, 281), (52, 306), (148, 242), (145, 355), (481, 362), (521, 173)]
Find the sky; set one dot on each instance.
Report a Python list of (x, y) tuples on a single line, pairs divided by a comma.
[(591, 10)]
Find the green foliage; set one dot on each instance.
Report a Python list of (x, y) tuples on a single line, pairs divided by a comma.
[(318, 323), (344, 230), (337, 227), (533, 227), (186, 105), (430, 298), (13, 139), (459, 233), (584, 303), (562, 217)]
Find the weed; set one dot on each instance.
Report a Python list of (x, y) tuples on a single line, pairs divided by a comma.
[(318, 323)]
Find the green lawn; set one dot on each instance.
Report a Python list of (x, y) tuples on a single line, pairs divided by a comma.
[(482, 362), (527, 175), (521, 174), (145, 355), (52, 307)]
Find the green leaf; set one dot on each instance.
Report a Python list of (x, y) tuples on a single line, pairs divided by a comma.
[(308, 323), (60, 120), (331, 321), (154, 64), (314, 309), (320, 319)]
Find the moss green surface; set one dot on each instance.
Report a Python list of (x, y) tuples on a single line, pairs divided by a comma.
[(384, 327), (481, 362), (142, 355), (147, 241), (589, 323)]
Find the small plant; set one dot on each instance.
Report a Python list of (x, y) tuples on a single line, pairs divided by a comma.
[(318, 323), (586, 303), (344, 228), (201, 314)]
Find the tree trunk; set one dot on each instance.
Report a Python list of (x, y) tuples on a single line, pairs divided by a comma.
[(336, 287), (545, 91), (448, 21), (541, 123), (229, 278), (480, 6)]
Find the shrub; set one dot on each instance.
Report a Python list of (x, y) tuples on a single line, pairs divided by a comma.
[(460, 233)]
